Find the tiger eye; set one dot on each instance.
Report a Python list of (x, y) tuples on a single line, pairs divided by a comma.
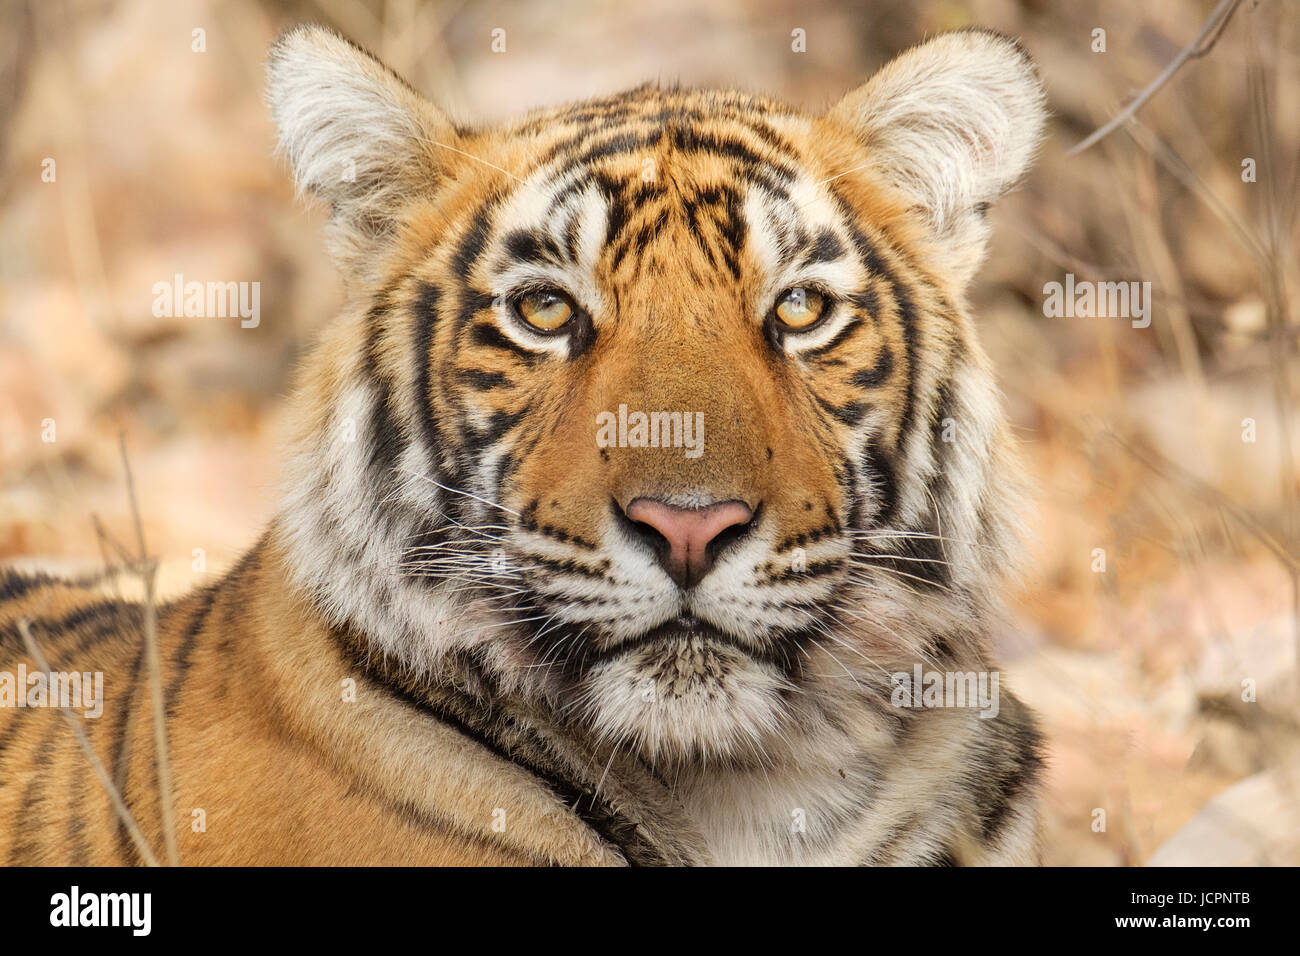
[(546, 311), (800, 308)]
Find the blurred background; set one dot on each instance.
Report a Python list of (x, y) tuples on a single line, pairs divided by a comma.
[(1156, 631)]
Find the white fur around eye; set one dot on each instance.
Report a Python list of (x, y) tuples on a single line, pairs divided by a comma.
[(797, 341)]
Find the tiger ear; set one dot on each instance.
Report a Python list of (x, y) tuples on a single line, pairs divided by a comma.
[(954, 123), (355, 134)]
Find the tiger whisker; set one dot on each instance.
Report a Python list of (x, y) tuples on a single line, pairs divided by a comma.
[(467, 494), (863, 558)]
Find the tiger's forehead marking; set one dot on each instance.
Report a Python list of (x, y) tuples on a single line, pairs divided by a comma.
[(549, 231), (722, 171)]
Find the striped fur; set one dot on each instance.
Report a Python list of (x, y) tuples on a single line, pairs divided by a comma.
[(451, 534)]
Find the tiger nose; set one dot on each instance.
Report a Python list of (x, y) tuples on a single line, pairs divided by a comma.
[(688, 532)]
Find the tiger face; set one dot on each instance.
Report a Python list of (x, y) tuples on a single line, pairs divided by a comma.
[(665, 408)]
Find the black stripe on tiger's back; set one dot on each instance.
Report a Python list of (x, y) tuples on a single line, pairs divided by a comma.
[(79, 846), (121, 760), (26, 848), (190, 637), (14, 585), (7, 734), (74, 632)]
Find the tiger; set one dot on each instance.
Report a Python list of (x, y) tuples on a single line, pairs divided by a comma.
[(647, 477)]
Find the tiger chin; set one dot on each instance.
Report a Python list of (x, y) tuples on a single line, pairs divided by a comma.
[(489, 626)]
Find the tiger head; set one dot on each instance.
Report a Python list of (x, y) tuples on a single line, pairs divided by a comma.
[(664, 408)]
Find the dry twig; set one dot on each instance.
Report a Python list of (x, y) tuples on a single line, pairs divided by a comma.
[(114, 796), (1204, 42), (148, 573)]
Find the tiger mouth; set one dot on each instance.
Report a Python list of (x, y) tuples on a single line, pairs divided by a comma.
[(686, 629), (685, 632)]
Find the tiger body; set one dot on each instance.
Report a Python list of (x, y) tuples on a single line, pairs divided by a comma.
[(573, 650)]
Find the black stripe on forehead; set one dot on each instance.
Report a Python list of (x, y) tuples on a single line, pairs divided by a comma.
[(645, 134), (474, 240), (578, 181), (715, 213), (688, 139), (613, 108), (623, 198), (622, 143), (798, 241), (533, 246), (628, 198), (651, 104), (630, 241), (635, 210), (823, 247), (632, 117)]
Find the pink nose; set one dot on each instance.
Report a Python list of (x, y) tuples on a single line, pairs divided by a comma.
[(688, 531)]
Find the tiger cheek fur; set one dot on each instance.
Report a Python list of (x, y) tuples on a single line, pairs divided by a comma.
[(474, 520)]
